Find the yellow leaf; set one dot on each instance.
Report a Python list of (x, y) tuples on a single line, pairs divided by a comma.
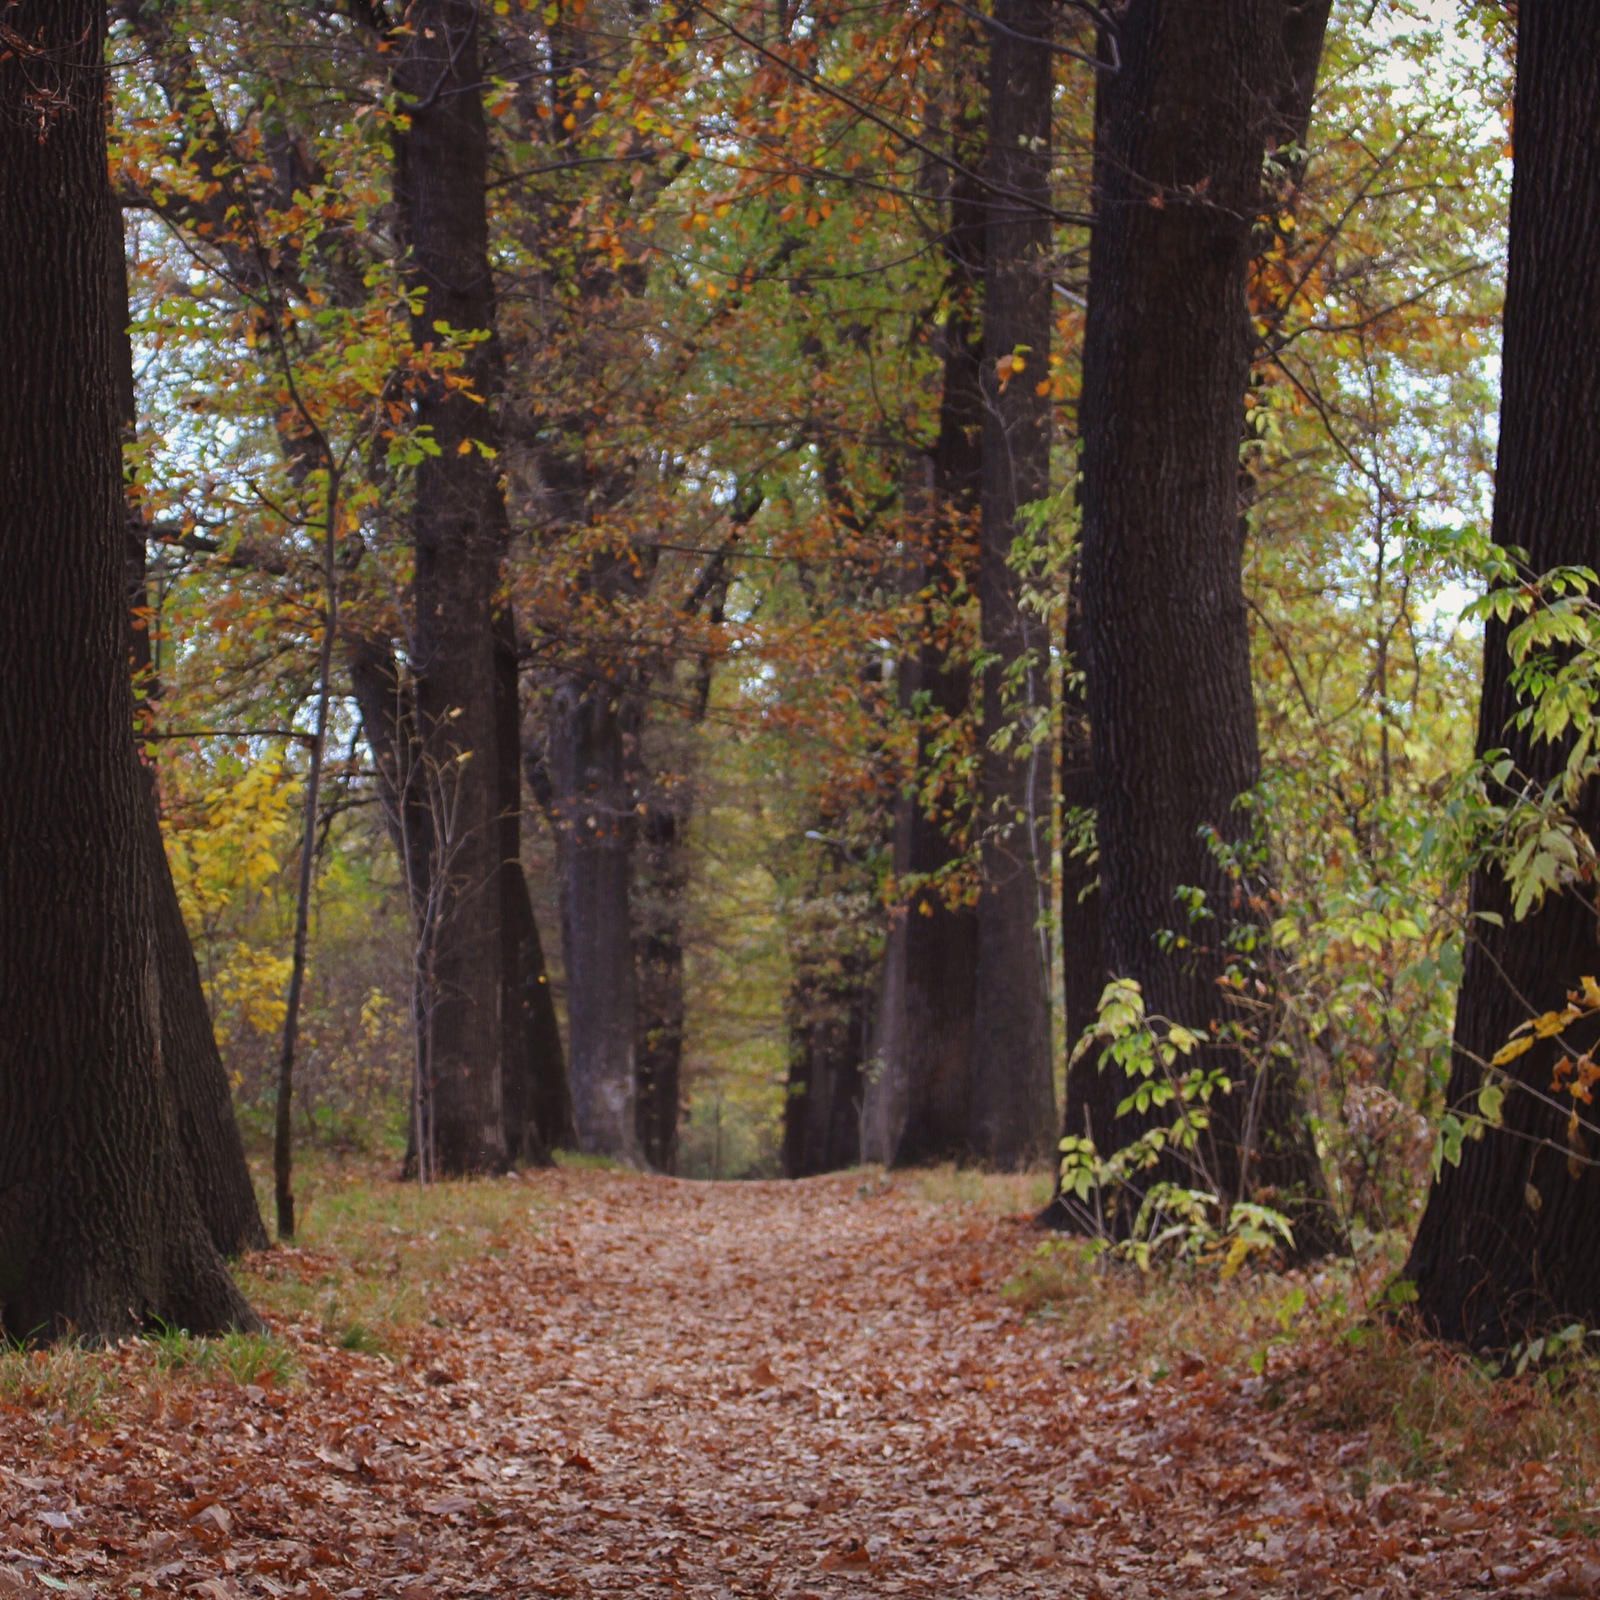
[(1552, 1022), (1510, 1051)]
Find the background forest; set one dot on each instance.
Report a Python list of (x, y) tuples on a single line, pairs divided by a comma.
[(729, 279)]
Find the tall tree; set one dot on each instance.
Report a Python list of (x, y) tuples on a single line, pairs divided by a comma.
[(99, 1230), (660, 887), (918, 1098), (1196, 101), (459, 538), (1013, 1102), (1507, 1240), (538, 1102), (593, 807)]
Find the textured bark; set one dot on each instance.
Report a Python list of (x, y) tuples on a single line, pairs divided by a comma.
[(459, 536), (592, 808), (1183, 127), (1013, 1099), (99, 1230), (917, 1098), (1507, 1241)]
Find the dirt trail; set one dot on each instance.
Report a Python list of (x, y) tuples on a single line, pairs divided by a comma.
[(666, 1388)]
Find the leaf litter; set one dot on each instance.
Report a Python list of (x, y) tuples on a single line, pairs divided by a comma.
[(660, 1388)]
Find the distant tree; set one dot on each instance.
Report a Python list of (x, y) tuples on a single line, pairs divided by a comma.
[(1507, 1241), (99, 1229)]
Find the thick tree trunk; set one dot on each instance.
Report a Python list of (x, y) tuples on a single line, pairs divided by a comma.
[(459, 534), (1013, 1098), (1507, 1241), (592, 807), (1183, 127), (99, 1230), (917, 1099), (208, 1133)]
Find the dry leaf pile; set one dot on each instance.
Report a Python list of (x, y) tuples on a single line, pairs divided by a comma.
[(660, 1388)]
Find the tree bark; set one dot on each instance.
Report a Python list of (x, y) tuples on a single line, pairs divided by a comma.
[(592, 807), (1506, 1244), (533, 1070), (1013, 1099), (1092, 1094), (538, 1108), (208, 1134), (917, 1098), (660, 882), (1184, 124), (829, 1011), (459, 535), (99, 1229)]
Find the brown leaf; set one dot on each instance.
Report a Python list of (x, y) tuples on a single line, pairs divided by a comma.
[(449, 1505)]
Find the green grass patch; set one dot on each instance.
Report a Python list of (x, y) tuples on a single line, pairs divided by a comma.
[(64, 1382), (372, 1253), (1001, 1194)]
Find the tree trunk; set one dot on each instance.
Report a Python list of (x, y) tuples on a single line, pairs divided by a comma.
[(535, 1076), (1092, 1094), (1013, 1098), (533, 1071), (592, 808), (459, 533), (99, 1229), (208, 1133), (829, 1011), (830, 1029), (917, 1096), (1183, 127), (660, 881), (1507, 1241)]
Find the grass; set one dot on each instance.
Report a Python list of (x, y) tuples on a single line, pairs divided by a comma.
[(68, 1383), (61, 1383), (994, 1193), (1318, 1348), (369, 1260), (371, 1252)]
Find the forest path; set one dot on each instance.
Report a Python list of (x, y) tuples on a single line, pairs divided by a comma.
[(656, 1388)]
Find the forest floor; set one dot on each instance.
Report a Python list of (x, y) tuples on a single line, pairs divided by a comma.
[(591, 1383)]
